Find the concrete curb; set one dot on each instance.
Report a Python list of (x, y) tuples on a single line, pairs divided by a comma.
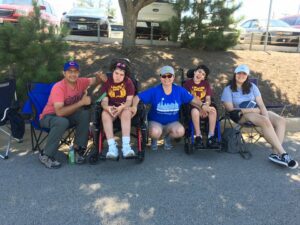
[(118, 41)]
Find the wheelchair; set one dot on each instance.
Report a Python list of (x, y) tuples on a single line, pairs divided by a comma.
[(138, 131), (189, 137)]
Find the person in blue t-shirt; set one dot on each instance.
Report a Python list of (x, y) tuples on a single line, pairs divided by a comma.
[(166, 99), (243, 101)]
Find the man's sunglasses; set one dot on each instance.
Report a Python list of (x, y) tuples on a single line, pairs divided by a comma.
[(166, 76)]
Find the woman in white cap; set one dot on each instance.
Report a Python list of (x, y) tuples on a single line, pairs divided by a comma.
[(166, 99), (243, 100)]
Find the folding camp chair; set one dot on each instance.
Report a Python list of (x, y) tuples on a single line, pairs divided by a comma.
[(38, 94), (7, 108), (250, 132)]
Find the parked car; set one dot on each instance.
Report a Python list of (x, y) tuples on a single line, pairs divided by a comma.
[(293, 21), (12, 10), (279, 32), (85, 21)]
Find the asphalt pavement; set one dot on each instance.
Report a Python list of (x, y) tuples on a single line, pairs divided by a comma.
[(169, 187)]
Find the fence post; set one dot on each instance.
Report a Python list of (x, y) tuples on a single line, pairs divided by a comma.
[(298, 48), (251, 41), (98, 31), (151, 33)]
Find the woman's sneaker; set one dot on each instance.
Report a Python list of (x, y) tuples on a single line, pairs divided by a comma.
[(167, 143), (49, 162), (289, 162), (127, 152), (154, 146), (113, 152), (284, 160)]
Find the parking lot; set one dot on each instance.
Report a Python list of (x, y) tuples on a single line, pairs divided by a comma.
[(169, 187)]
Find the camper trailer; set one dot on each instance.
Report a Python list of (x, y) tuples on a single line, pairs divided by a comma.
[(150, 18)]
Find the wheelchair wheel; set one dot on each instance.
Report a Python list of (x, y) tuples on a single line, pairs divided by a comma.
[(188, 146), (140, 156), (93, 156), (144, 138)]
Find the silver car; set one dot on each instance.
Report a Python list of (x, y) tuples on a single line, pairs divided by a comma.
[(279, 32), (85, 21)]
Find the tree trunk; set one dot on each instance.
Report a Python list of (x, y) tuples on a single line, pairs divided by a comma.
[(129, 31), (130, 10)]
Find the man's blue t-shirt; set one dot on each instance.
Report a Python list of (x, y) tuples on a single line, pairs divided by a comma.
[(236, 98), (165, 108)]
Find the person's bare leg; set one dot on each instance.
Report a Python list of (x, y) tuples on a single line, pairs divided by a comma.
[(268, 131), (212, 117), (279, 124), (107, 121), (125, 118), (155, 130), (196, 121)]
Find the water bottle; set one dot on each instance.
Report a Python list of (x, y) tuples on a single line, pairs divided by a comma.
[(71, 155)]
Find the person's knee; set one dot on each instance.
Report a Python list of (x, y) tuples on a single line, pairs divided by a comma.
[(126, 114), (195, 113), (155, 132), (61, 122), (265, 122), (105, 116), (280, 122), (84, 116), (177, 132)]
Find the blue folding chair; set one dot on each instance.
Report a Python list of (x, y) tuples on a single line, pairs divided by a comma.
[(38, 94), (9, 112)]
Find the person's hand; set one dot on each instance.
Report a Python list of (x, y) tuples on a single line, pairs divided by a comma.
[(133, 109), (86, 100), (111, 110), (206, 108), (119, 109), (101, 77)]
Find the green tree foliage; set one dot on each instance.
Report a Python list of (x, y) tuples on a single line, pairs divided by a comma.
[(31, 51), (208, 25)]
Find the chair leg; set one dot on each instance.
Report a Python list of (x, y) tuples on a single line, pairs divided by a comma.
[(8, 145)]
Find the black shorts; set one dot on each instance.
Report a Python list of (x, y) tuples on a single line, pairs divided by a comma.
[(235, 115)]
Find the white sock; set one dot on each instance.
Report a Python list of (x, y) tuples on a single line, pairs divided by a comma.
[(210, 135), (125, 141), (111, 142)]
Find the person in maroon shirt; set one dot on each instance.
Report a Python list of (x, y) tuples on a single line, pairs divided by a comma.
[(119, 90), (199, 87)]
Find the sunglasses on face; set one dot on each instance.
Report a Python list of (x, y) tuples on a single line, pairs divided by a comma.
[(166, 76)]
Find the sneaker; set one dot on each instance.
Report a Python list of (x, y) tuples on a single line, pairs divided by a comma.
[(289, 162), (113, 152), (154, 146), (212, 142), (167, 143), (49, 162), (285, 160), (127, 151), (198, 142), (275, 158), (79, 155), (79, 159)]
